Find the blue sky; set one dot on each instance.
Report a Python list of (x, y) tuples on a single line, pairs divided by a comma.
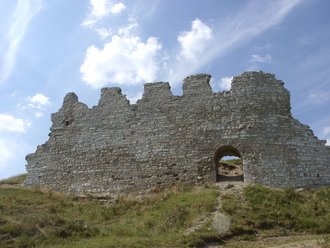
[(49, 48)]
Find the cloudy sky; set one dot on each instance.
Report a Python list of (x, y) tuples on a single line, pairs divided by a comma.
[(49, 48)]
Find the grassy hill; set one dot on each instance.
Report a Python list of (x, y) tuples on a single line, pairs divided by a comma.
[(178, 217)]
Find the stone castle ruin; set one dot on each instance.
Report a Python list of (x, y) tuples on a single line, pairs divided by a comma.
[(118, 147)]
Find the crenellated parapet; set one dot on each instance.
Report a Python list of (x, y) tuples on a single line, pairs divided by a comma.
[(249, 85), (119, 148)]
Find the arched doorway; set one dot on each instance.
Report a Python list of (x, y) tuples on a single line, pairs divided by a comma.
[(228, 164)]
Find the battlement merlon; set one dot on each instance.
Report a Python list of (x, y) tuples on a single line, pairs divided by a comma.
[(157, 90), (70, 99), (112, 98), (197, 85), (260, 80)]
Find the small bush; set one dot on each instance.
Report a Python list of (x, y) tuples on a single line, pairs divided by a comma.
[(76, 228), (11, 229), (26, 242), (176, 218)]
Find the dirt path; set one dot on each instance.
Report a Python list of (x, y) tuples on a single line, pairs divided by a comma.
[(221, 222)]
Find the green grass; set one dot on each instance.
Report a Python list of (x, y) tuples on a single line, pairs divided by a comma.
[(36, 218), (17, 180), (235, 161), (279, 210), (31, 218)]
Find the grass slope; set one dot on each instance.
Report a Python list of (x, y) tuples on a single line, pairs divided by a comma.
[(17, 180), (261, 217), (31, 218), (261, 212)]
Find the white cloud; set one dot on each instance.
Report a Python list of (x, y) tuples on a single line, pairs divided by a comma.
[(117, 8), (256, 58), (225, 83), (38, 101), (326, 131), (12, 124), (37, 104), (123, 60), (194, 42), (103, 32), (254, 19), (326, 134), (38, 114), (22, 16), (126, 30), (319, 97), (102, 8)]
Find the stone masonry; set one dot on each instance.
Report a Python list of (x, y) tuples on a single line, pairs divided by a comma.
[(118, 147)]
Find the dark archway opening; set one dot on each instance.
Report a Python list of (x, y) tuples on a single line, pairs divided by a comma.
[(228, 164)]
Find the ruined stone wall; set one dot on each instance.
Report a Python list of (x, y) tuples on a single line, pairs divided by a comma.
[(116, 147)]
